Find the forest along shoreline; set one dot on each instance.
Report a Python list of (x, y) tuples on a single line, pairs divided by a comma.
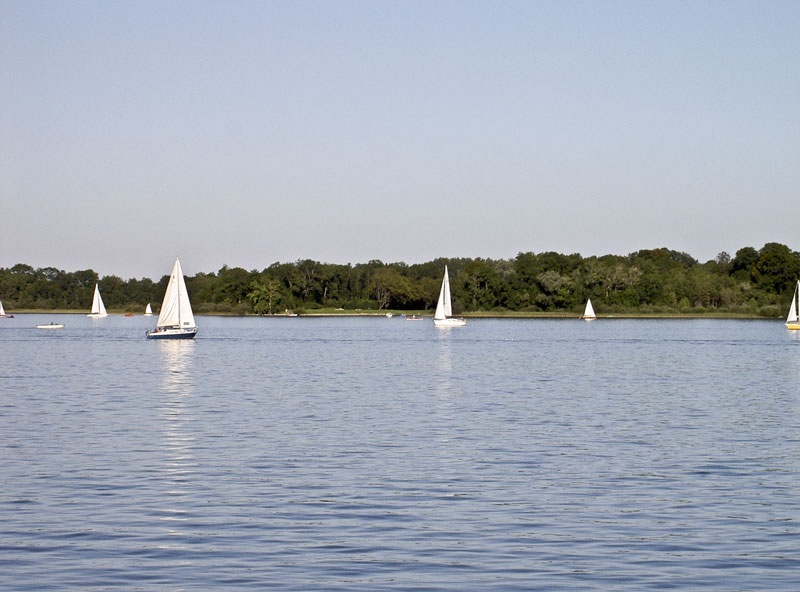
[(652, 283), (429, 314)]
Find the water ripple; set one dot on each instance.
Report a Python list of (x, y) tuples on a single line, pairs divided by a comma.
[(372, 454)]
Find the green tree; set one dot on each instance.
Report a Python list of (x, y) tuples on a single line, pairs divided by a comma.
[(744, 263), (481, 285), (265, 295), (389, 287), (777, 268)]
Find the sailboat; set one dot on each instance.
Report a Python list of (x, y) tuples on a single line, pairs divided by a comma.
[(98, 308), (588, 313), (176, 320), (148, 312), (444, 308), (793, 320)]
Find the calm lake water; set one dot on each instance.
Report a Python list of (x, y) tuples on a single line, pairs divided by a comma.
[(382, 454)]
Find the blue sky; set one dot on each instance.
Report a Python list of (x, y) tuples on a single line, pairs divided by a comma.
[(249, 132)]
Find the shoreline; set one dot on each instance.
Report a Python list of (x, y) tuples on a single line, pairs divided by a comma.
[(429, 315)]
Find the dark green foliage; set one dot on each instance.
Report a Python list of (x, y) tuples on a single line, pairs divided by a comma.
[(652, 280), (744, 262), (777, 268)]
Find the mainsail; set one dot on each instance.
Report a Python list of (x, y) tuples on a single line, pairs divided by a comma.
[(98, 308), (444, 307), (794, 309), (588, 313), (176, 311)]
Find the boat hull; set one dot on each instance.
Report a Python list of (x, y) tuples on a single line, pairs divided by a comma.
[(449, 322), (50, 326), (793, 326), (172, 334), (95, 315)]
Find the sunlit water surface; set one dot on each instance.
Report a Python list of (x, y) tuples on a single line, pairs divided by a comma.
[(383, 454)]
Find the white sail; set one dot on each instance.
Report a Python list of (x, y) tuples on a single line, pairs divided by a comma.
[(148, 311), (98, 308), (176, 310), (2, 310), (588, 313), (793, 310), (444, 308)]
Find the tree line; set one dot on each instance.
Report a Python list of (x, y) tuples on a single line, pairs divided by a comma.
[(754, 282)]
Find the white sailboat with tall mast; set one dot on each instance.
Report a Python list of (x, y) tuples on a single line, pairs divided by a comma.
[(176, 320), (148, 312), (444, 307), (588, 313), (98, 308), (793, 320)]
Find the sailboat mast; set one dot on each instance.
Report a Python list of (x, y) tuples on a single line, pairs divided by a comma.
[(180, 271)]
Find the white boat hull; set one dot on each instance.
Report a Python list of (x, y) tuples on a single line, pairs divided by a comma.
[(172, 333), (50, 326), (96, 315), (449, 322)]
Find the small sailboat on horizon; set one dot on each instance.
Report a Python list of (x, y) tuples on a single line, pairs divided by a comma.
[(148, 312), (444, 307), (3, 312), (98, 308), (176, 320), (793, 320), (588, 313)]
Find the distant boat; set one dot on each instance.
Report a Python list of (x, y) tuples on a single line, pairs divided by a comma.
[(98, 308), (176, 320), (444, 308), (148, 312), (414, 318), (588, 313), (793, 320), (3, 312), (52, 325)]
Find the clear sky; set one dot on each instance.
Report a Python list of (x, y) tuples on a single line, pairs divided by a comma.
[(248, 132)]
